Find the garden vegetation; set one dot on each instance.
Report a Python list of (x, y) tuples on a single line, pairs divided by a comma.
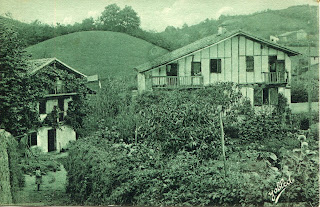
[(163, 148)]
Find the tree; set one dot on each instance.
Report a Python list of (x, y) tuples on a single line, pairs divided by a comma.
[(18, 114), (87, 24), (110, 17), (115, 19), (129, 19)]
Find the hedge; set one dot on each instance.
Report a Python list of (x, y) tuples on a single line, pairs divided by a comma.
[(11, 177)]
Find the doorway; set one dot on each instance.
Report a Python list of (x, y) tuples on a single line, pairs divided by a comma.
[(52, 142)]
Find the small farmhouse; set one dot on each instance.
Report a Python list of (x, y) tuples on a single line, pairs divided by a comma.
[(261, 67), (56, 99), (293, 36)]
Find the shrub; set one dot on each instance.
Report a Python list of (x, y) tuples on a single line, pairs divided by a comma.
[(138, 175), (10, 170), (188, 120), (36, 158), (302, 165)]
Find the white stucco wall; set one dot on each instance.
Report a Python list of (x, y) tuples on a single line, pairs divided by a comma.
[(42, 138), (64, 135)]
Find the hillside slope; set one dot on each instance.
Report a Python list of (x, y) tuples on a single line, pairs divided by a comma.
[(262, 24), (108, 54)]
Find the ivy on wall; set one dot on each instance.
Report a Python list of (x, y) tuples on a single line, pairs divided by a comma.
[(46, 81)]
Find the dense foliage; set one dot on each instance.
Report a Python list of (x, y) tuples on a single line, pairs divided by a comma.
[(119, 20), (188, 120), (127, 20), (10, 167), (17, 97), (300, 86), (164, 148), (34, 158)]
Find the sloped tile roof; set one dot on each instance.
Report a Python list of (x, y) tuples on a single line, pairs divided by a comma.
[(203, 43), (37, 64)]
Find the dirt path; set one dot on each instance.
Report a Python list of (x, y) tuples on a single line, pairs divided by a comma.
[(52, 190)]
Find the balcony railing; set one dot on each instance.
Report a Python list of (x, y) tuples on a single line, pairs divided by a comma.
[(275, 77), (177, 81)]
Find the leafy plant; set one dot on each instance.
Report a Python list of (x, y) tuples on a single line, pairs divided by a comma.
[(302, 165)]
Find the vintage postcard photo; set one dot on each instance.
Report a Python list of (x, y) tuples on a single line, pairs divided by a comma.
[(159, 103)]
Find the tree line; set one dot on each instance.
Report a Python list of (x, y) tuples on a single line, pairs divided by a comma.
[(126, 20)]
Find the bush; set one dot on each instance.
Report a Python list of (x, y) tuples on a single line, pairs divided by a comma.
[(189, 120), (138, 175), (167, 151), (299, 89), (36, 158), (301, 120), (10, 170)]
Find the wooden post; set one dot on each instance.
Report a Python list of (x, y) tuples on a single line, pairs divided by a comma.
[(222, 143), (309, 89)]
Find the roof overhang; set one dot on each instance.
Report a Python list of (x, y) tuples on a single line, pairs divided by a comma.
[(55, 60), (149, 65)]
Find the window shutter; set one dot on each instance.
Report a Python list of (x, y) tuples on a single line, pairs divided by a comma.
[(257, 96), (212, 65), (273, 96), (219, 66)]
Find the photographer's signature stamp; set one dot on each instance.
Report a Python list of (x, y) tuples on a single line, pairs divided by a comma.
[(281, 186)]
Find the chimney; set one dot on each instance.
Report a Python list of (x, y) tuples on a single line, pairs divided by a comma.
[(222, 29)]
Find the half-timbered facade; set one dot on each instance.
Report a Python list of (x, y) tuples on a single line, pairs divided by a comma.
[(262, 68)]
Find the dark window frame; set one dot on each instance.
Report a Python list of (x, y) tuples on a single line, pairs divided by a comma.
[(215, 65), (249, 63), (33, 139), (168, 69), (43, 107), (265, 96), (61, 105), (193, 66)]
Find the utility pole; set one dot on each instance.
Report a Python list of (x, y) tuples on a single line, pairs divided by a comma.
[(222, 142), (309, 85)]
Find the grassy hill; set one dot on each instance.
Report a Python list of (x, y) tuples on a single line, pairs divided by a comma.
[(262, 24), (108, 54)]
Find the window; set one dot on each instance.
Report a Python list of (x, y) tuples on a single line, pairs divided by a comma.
[(32, 139), (280, 66), (195, 68), (172, 69), (272, 63), (61, 104), (273, 96), (61, 108), (249, 63), (215, 65), (265, 96), (257, 97), (42, 107), (59, 86)]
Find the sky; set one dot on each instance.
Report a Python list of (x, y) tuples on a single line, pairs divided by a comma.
[(155, 15)]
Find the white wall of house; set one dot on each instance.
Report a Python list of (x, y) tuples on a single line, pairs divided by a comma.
[(42, 138), (232, 53), (64, 135)]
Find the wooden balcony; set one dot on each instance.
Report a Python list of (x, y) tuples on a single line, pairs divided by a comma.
[(177, 82), (275, 77)]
